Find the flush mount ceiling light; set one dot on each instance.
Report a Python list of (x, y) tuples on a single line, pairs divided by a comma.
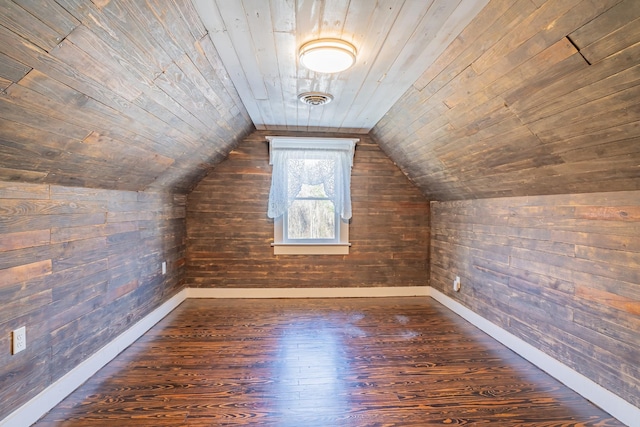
[(327, 55)]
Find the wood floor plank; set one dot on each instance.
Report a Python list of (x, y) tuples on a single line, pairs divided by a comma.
[(337, 362)]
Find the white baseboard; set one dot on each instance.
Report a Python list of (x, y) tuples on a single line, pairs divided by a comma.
[(31, 411), (35, 408), (399, 291), (608, 401)]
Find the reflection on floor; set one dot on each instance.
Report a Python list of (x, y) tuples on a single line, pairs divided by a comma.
[(320, 362)]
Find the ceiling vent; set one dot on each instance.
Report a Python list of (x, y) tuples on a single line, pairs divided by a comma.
[(315, 98)]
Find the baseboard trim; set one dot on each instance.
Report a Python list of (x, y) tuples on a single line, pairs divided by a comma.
[(399, 291), (42, 403), (35, 408), (608, 401)]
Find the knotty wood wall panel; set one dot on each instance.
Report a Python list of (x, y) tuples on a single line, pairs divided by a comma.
[(113, 94), (533, 97), (561, 272), (229, 234), (77, 268)]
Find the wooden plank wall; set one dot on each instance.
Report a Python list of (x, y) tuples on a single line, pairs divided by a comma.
[(229, 234), (77, 268), (560, 272), (534, 97), (112, 94)]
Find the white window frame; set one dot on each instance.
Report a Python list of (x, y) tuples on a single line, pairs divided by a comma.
[(282, 246)]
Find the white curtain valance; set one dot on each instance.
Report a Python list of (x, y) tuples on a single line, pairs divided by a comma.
[(333, 160)]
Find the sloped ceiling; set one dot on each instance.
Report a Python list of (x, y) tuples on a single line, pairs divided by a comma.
[(112, 94), (533, 97)]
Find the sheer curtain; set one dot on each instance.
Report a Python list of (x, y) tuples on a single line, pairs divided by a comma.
[(311, 161)]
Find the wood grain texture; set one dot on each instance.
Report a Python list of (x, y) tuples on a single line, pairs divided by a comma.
[(560, 272), (338, 362), (259, 41), (512, 107), (77, 268), (533, 97), (115, 95), (230, 236)]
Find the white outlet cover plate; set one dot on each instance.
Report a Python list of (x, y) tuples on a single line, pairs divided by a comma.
[(19, 339)]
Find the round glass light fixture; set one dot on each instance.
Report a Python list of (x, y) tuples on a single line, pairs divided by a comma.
[(327, 55)]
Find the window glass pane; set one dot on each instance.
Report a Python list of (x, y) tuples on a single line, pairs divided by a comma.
[(311, 219)]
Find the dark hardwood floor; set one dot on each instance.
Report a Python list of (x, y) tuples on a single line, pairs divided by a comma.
[(320, 362)]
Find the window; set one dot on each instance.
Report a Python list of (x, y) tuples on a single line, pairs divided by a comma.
[(310, 197), (312, 215)]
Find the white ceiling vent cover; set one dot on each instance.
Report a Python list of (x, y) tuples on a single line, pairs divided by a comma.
[(315, 98)]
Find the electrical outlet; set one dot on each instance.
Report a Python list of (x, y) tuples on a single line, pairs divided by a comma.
[(456, 284), (164, 267), (19, 339)]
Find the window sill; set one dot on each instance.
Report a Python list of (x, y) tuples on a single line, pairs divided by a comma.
[(311, 248)]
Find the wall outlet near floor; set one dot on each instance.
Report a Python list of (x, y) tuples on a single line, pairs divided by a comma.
[(19, 340), (164, 267), (456, 284)]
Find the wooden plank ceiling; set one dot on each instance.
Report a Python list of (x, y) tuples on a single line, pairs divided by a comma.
[(258, 42), (112, 94), (531, 97), (534, 97)]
